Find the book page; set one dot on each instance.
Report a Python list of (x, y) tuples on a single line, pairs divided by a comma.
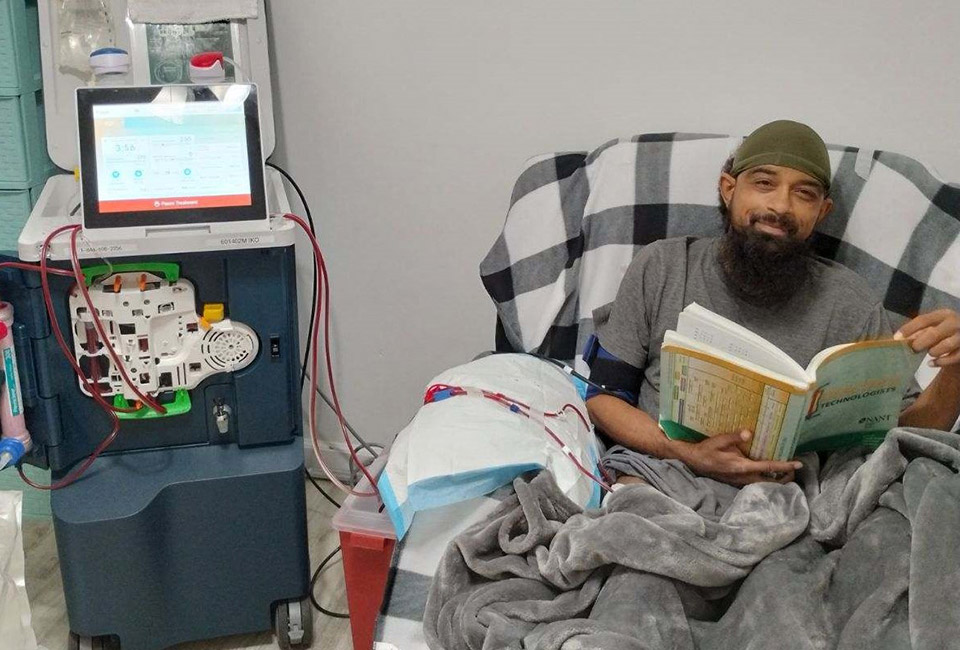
[(702, 325), (711, 396), (858, 394)]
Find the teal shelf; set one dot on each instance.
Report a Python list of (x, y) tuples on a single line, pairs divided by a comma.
[(15, 206), (20, 70), (24, 162)]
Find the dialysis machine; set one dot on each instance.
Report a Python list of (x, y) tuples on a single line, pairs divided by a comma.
[(192, 523)]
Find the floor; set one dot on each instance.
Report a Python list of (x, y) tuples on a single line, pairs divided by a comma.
[(50, 617)]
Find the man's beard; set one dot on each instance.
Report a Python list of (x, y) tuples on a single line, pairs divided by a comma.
[(759, 268)]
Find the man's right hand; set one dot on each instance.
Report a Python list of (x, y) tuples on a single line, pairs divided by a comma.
[(724, 458)]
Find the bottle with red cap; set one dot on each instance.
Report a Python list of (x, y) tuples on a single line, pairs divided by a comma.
[(207, 68)]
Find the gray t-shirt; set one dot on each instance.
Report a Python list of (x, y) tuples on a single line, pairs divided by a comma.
[(836, 306)]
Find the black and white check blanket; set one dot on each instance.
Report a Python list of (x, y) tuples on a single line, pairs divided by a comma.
[(415, 561), (575, 222)]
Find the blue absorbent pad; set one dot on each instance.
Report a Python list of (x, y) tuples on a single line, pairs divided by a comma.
[(444, 490), (466, 445)]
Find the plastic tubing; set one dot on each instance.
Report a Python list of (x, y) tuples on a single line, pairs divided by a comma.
[(523, 410), (82, 288), (92, 382), (15, 438), (55, 325), (6, 457), (79, 471), (323, 304)]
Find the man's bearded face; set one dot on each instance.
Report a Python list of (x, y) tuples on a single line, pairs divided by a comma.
[(765, 251), (760, 268)]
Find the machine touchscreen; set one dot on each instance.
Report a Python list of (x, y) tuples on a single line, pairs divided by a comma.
[(170, 155)]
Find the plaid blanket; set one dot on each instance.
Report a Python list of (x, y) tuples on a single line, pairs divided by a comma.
[(415, 561), (576, 220)]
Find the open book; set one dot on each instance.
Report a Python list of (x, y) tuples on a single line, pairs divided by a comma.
[(719, 377)]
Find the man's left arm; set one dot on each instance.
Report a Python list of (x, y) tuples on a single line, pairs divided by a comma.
[(938, 334)]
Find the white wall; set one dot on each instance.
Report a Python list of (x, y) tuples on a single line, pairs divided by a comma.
[(407, 122)]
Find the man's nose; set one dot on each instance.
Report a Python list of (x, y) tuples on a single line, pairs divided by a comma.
[(778, 201)]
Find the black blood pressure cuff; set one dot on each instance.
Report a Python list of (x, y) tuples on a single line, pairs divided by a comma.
[(615, 375)]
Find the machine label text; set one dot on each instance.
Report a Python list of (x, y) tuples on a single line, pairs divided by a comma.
[(241, 241)]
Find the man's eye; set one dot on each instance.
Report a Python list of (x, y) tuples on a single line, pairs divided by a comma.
[(763, 182), (806, 195)]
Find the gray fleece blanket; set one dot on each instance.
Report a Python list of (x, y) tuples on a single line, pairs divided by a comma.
[(866, 554)]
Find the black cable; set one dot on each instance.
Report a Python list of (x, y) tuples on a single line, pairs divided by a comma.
[(75, 209), (303, 379), (313, 306), (313, 293), (320, 489), (313, 585), (316, 574), (363, 443)]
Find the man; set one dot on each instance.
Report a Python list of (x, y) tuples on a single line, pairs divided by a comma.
[(761, 274)]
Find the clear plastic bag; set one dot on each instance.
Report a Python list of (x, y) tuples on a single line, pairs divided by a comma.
[(15, 627), (85, 26)]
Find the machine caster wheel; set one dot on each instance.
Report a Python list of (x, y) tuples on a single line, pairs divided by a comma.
[(76, 642), (293, 624)]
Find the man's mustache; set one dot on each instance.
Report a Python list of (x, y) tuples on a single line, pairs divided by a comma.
[(783, 221)]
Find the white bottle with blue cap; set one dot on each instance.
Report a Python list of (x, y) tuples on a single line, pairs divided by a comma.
[(111, 66)]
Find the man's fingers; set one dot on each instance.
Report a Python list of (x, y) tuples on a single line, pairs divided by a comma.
[(772, 477), (762, 477), (922, 321), (923, 339), (734, 439), (779, 477), (776, 466), (788, 478), (746, 439), (948, 360), (749, 467), (948, 345)]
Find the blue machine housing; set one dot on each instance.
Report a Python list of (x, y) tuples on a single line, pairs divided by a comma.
[(177, 532)]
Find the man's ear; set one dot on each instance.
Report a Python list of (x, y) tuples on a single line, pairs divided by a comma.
[(727, 185), (825, 209)]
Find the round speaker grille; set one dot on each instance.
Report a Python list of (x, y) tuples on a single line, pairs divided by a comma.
[(227, 349)]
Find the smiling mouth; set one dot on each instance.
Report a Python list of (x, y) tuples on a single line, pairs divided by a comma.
[(771, 228), (773, 225)]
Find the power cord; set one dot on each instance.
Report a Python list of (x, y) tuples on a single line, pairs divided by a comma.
[(303, 378), (322, 491), (316, 574), (313, 584), (353, 432), (313, 308), (313, 292)]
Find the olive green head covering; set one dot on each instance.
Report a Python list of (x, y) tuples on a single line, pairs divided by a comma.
[(787, 144)]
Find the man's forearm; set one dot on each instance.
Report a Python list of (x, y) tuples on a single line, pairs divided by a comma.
[(938, 406), (632, 428)]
